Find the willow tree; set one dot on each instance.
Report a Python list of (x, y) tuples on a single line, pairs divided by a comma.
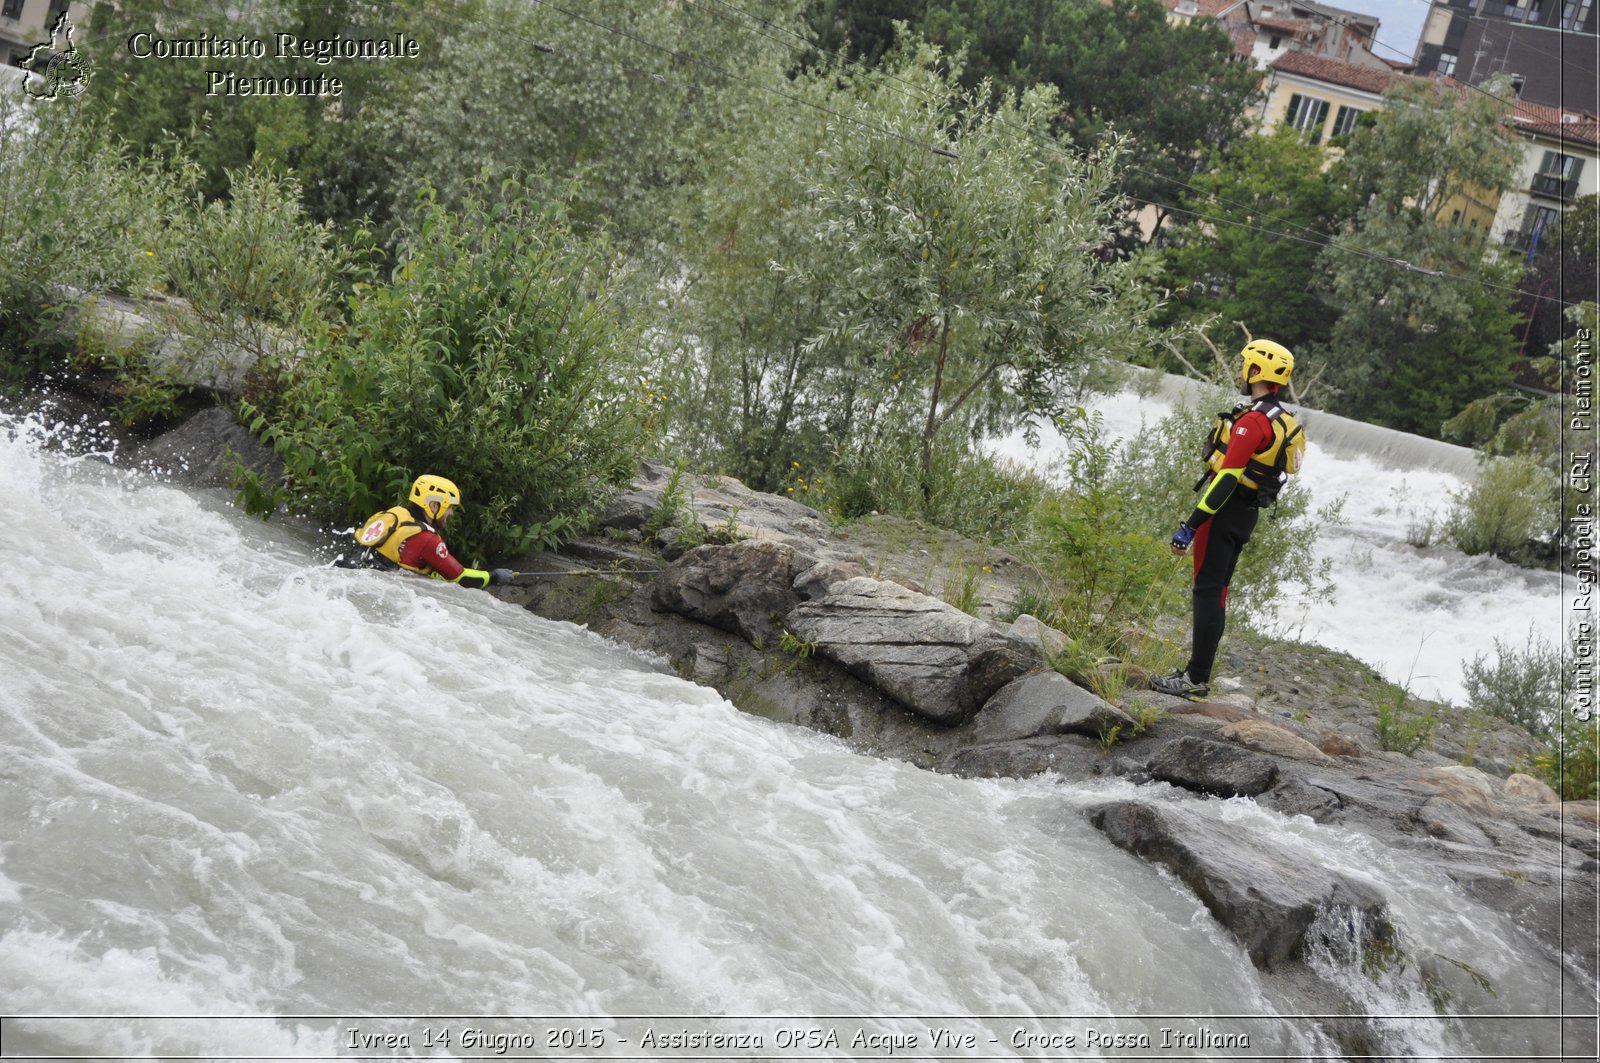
[(968, 267), (1426, 321)]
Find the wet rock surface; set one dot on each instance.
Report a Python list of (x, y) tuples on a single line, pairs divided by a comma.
[(1264, 893)]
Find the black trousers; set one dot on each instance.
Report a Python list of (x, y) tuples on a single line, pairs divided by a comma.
[(1217, 546)]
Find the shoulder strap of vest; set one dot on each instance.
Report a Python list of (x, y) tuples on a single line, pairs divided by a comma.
[(1268, 404)]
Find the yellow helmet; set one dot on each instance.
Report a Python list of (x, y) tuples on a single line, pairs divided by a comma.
[(1267, 361), (435, 495)]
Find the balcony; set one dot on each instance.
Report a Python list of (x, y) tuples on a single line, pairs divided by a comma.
[(1518, 240), (1554, 185)]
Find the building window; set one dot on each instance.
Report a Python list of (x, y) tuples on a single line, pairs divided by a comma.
[(1559, 165), (1307, 113), (1344, 123), (1273, 42), (12, 9), (1447, 63)]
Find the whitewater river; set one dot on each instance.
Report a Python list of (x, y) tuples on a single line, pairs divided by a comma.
[(280, 809)]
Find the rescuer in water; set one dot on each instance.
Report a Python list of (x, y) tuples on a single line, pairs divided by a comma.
[(1251, 452), (407, 535)]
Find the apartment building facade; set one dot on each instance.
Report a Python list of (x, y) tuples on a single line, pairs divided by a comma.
[(1552, 47)]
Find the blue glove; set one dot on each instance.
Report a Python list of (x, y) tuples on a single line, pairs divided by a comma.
[(1183, 537)]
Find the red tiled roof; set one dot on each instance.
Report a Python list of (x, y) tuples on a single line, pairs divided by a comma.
[(1282, 25), (1338, 72), (1578, 132), (1527, 111), (1244, 41)]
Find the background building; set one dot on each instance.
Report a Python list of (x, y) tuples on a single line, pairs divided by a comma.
[(25, 23), (1552, 45), (1560, 163)]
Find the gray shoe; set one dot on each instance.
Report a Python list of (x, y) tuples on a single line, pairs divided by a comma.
[(1179, 685)]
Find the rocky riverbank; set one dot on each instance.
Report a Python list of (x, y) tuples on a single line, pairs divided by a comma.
[(833, 629)]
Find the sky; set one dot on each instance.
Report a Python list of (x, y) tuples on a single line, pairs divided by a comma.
[(1400, 24)]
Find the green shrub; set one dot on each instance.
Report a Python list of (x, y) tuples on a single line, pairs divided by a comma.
[(974, 493), (1570, 762), (1522, 687), (252, 267), (1404, 725), (1511, 503), (76, 215), (491, 357), (1112, 570)]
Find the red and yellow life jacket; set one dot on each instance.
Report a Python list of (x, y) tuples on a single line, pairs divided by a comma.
[(386, 532), (1271, 468)]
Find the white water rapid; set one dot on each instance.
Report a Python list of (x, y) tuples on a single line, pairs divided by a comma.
[(267, 803)]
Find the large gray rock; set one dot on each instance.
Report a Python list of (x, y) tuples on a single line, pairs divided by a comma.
[(1218, 768), (1293, 796), (204, 451), (633, 509), (929, 656), (821, 578), (1045, 703), (1070, 755), (740, 587), (1050, 641), (1267, 896)]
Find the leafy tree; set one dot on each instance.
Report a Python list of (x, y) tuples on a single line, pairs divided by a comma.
[(753, 291), (77, 213), (491, 356), (863, 30), (1175, 91), (336, 147), (924, 263), (1426, 325), (1239, 268), (969, 288), (609, 105)]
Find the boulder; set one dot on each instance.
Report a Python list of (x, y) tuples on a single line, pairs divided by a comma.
[(1338, 745), (1085, 713), (1071, 755), (1294, 796), (1586, 813), (634, 509), (1031, 629), (740, 587), (1270, 738), (1210, 709), (1522, 787), (1268, 896), (822, 577), (1448, 821), (1467, 787), (203, 451), (1218, 768), (925, 654), (1045, 703)]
